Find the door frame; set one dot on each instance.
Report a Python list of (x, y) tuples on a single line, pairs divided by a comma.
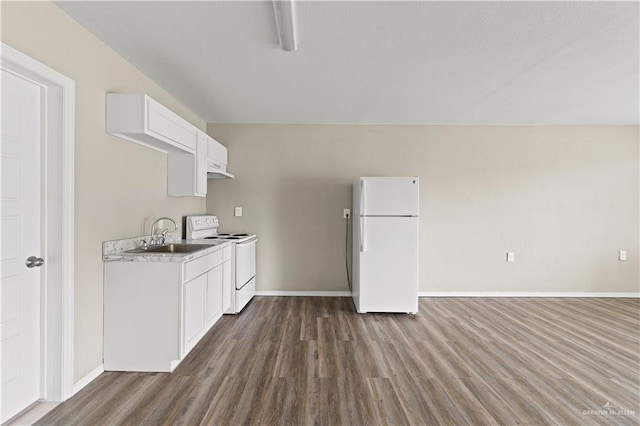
[(57, 165)]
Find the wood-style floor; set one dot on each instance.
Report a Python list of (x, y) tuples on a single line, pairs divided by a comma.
[(302, 360)]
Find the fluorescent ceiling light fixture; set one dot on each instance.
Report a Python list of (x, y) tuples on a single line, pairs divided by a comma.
[(285, 21)]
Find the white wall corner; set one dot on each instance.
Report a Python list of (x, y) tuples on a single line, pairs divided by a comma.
[(77, 386)]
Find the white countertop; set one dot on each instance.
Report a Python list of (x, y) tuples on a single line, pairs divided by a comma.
[(116, 250)]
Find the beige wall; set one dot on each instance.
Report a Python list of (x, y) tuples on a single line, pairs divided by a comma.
[(118, 184), (564, 199)]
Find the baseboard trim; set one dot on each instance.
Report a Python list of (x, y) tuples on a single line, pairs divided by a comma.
[(527, 294), (305, 293), (578, 294), (77, 386)]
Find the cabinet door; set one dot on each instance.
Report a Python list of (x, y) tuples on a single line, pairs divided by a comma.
[(227, 287), (182, 175), (216, 152), (194, 296), (213, 305), (169, 126)]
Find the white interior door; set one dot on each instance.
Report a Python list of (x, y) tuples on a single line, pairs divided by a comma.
[(20, 220), (389, 264)]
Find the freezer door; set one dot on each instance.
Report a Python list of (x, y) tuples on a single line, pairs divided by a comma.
[(389, 196), (388, 264)]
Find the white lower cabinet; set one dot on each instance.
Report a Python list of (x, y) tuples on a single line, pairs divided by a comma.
[(155, 312), (213, 305), (194, 294)]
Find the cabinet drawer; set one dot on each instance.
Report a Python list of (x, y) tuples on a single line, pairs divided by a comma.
[(200, 265), (226, 253), (166, 123)]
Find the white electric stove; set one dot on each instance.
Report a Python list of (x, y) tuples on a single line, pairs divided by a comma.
[(203, 229)]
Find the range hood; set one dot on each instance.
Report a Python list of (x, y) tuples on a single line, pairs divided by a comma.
[(217, 160), (213, 173)]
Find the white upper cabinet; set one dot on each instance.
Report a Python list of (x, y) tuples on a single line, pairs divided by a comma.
[(139, 118), (187, 173), (192, 155), (217, 160)]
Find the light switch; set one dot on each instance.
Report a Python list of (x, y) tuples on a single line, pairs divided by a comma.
[(622, 255), (237, 212), (511, 256)]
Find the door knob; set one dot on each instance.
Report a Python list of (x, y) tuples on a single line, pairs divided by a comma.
[(34, 262)]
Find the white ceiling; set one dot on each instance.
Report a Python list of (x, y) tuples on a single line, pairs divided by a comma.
[(385, 62)]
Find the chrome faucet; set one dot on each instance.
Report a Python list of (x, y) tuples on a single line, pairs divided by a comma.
[(163, 235)]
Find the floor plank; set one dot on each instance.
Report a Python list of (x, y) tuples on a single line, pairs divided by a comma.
[(308, 361)]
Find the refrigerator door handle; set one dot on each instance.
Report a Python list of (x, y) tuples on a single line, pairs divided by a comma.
[(362, 246), (362, 211)]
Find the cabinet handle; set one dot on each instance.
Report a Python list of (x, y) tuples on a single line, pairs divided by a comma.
[(362, 246), (362, 213)]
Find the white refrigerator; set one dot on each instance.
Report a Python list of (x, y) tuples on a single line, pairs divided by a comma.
[(385, 244)]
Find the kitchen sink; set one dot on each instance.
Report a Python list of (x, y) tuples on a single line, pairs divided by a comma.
[(171, 248)]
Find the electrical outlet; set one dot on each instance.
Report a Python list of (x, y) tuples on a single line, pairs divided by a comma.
[(346, 213), (622, 255), (511, 256), (237, 212)]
